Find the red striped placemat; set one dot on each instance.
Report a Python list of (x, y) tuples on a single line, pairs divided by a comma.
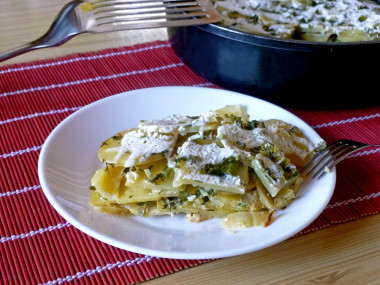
[(39, 247)]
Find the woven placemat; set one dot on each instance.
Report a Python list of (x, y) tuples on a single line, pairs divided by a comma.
[(39, 247)]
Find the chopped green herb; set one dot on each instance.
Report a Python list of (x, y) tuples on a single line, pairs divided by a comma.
[(320, 146), (190, 159), (117, 137), (221, 169), (293, 130), (254, 19), (284, 162), (234, 15), (101, 197), (243, 205), (160, 177), (235, 119), (252, 125), (201, 192), (184, 194), (204, 194), (270, 150), (145, 206), (171, 203), (108, 164)]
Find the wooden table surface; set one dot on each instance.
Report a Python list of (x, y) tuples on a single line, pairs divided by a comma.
[(348, 253)]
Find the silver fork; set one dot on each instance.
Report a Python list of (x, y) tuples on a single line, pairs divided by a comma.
[(323, 161), (99, 16)]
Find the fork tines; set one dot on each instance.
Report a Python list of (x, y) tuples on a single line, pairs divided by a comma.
[(134, 14), (325, 160)]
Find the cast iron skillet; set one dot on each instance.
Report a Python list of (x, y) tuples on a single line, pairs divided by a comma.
[(290, 73)]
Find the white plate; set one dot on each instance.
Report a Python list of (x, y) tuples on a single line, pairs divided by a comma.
[(69, 158)]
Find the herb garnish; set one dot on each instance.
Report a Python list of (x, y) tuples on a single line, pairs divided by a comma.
[(189, 158), (145, 206), (117, 137), (270, 150), (243, 205), (221, 169), (171, 203), (160, 177), (109, 164), (293, 130)]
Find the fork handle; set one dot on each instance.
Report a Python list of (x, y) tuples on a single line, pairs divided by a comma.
[(64, 27), (47, 40), (18, 51), (43, 42)]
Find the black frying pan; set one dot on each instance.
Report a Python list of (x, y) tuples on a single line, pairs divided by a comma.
[(287, 72)]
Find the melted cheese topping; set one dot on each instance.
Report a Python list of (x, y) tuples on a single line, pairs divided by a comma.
[(140, 146), (203, 155), (176, 123), (251, 139)]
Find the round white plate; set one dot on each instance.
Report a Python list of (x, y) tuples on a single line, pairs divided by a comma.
[(69, 158)]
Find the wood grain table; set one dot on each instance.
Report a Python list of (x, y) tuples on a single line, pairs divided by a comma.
[(347, 253)]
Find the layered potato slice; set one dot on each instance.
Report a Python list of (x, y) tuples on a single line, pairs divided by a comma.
[(217, 165), (119, 185)]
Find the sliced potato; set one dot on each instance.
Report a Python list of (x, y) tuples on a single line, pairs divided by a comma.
[(110, 148), (231, 113), (108, 182), (243, 220)]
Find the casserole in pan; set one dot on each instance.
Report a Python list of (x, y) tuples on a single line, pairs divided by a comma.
[(288, 72)]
